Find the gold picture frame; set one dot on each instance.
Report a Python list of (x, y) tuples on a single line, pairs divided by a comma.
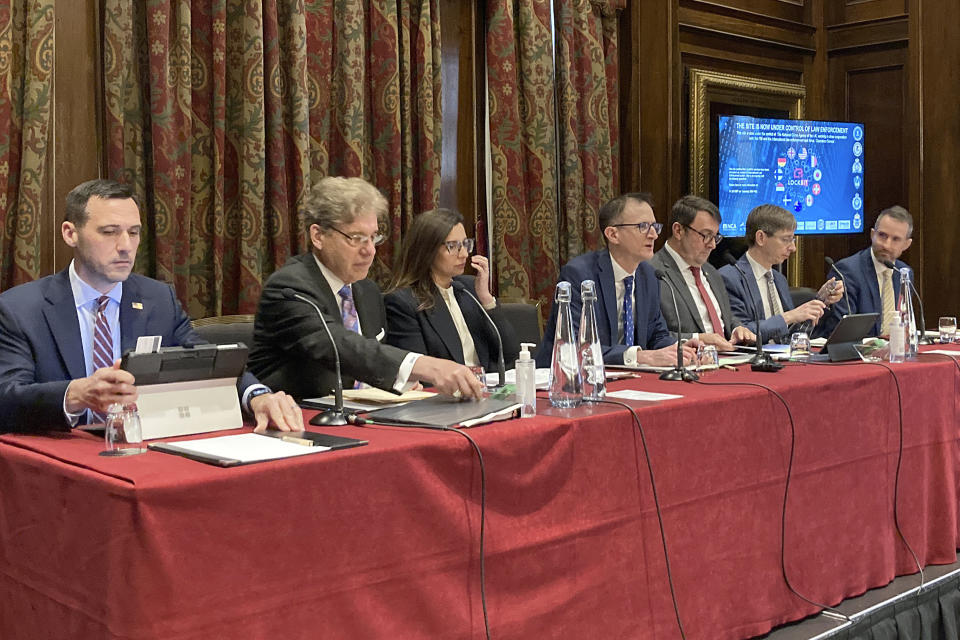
[(712, 89)]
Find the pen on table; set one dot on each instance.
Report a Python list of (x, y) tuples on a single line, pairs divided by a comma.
[(295, 440), (728, 366)]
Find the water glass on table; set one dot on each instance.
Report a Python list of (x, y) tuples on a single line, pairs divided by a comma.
[(948, 329), (799, 346), (122, 432), (707, 357)]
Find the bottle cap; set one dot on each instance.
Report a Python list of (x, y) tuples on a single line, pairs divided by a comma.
[(563, 291), (588, 290)]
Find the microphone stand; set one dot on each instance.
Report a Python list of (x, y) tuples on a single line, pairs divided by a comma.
[(679, 372), (334, 417), (501, 368), (761, 361), (833, 266)]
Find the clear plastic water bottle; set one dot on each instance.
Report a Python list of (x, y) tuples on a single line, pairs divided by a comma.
[(566, 382), (898, 338), (905, 309), (591, 354)]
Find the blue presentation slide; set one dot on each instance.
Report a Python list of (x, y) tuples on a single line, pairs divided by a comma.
[(812, 169)]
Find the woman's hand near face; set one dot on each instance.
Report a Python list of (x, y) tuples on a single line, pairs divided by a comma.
[(482, 282)]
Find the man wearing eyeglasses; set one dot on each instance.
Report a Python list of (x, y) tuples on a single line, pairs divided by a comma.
[(770, 239), (701, 296), (632, 329), (290, 346)]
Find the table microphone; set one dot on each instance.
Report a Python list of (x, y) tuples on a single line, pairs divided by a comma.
[(679, 372), (761, 361), (913, 291), (334, 417), (501, 369), (833, 265)]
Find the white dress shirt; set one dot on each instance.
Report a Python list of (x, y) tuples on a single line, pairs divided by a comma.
[(695, 292), (470, 357)]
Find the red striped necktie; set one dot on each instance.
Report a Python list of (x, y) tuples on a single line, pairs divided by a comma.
[(102, 344)]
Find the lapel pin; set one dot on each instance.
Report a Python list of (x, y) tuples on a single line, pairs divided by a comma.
[(137, 305)]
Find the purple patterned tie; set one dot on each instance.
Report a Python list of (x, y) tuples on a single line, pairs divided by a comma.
[(349, 313), (351, 321), (102, 345)]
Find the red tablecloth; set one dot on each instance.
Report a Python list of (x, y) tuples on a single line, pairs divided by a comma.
[(381, 541)]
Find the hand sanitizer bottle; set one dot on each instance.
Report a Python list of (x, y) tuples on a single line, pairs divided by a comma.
[(526, 371)]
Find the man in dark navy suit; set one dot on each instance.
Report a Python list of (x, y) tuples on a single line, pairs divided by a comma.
[(631, 327), (873, 287), (61, 337), (771, 240)]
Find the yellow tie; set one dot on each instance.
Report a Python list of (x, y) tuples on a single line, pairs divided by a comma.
[(889, 304)]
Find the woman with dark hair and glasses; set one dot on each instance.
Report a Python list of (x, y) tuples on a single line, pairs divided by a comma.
[(432, 308)]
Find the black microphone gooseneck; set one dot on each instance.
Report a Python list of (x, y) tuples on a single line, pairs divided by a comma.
[(761, 361), (334, 417), (501, 369), (833, 266), (679, 372), (922, 329)]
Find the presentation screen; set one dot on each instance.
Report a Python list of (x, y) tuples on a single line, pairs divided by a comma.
[(812, 169)]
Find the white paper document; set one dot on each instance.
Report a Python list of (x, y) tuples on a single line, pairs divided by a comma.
[(245, 447), (649, 396)]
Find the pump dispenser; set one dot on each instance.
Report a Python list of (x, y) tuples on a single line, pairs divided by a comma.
[(526, 371)]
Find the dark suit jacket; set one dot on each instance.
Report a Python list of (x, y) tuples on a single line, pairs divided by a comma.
[(433, 333), (650, 328), (862, 290), (41, 350), (690, 318), (291, 350), (746, 308)]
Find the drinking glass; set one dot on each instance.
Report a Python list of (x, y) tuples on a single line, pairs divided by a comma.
[(122, 433), (481, 375), (948, 329), (707, 357), (799, 346)]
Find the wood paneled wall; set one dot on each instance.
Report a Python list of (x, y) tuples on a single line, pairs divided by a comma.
[(892, 64)]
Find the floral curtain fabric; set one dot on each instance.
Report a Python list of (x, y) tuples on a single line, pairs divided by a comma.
[(223, 113), (26, 68)]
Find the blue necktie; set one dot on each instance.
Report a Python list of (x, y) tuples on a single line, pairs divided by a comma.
[(349, 312), (628, 311)]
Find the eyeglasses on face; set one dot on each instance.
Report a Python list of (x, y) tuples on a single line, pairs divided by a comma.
[(359, 239), (642, 227), (454, 246), (706, 235), (790, 239)]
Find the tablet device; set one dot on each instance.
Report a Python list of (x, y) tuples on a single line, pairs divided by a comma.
[(851, 330)]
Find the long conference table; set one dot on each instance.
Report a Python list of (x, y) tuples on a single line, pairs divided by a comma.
[(381, 541)]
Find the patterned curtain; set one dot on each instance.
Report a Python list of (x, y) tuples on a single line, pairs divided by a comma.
[(26, 67), (553, 135), (587, 67), (523, 142), (375, 102), (223, 112)]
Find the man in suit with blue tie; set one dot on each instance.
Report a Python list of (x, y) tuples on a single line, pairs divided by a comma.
[(770, 239), (872, 286), (631, 328), (61, 337)]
